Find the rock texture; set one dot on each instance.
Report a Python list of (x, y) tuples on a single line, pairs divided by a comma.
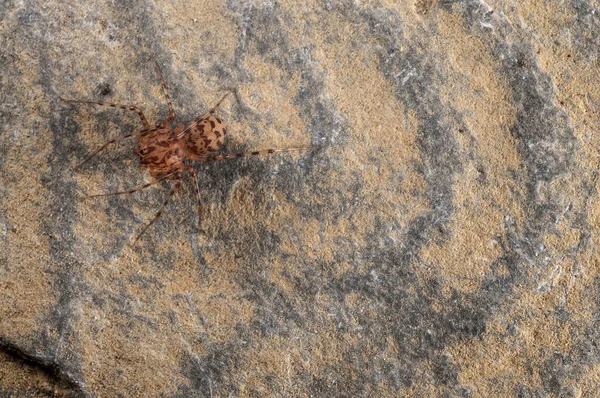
[(441, 241)]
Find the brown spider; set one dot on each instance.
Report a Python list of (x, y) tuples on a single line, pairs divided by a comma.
[(163, 150)]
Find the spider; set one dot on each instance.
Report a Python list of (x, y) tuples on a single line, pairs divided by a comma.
[(163, 150)]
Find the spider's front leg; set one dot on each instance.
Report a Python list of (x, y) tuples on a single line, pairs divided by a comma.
[(127, 107)]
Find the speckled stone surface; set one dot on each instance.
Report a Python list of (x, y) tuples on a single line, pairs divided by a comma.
[(441, 242)]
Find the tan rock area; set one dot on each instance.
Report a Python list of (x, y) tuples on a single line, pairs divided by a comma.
[(440, 241)]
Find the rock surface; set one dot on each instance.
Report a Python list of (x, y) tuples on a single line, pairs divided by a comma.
[(441, 241)]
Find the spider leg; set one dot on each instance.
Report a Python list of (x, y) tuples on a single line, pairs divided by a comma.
[(134, 189), (167, 122), (128, 107), (175, 188), (197, 196), (211, 158), (201, 118), (101, 148), (214, 108), (141, 133)]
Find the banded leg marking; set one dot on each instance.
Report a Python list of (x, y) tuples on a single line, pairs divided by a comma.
[(134, 189), (212, 158), (200, 118), (157, 215), (114, 140), (167, 122), (126, 107), (197, 196)]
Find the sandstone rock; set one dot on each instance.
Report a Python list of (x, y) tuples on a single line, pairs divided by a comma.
[(441, 241)]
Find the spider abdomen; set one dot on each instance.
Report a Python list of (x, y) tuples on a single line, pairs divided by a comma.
[(206, 136)]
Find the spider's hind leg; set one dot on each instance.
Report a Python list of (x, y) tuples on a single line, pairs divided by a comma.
[(193, 172), (133, 189), (157, 215), (212, 158)]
